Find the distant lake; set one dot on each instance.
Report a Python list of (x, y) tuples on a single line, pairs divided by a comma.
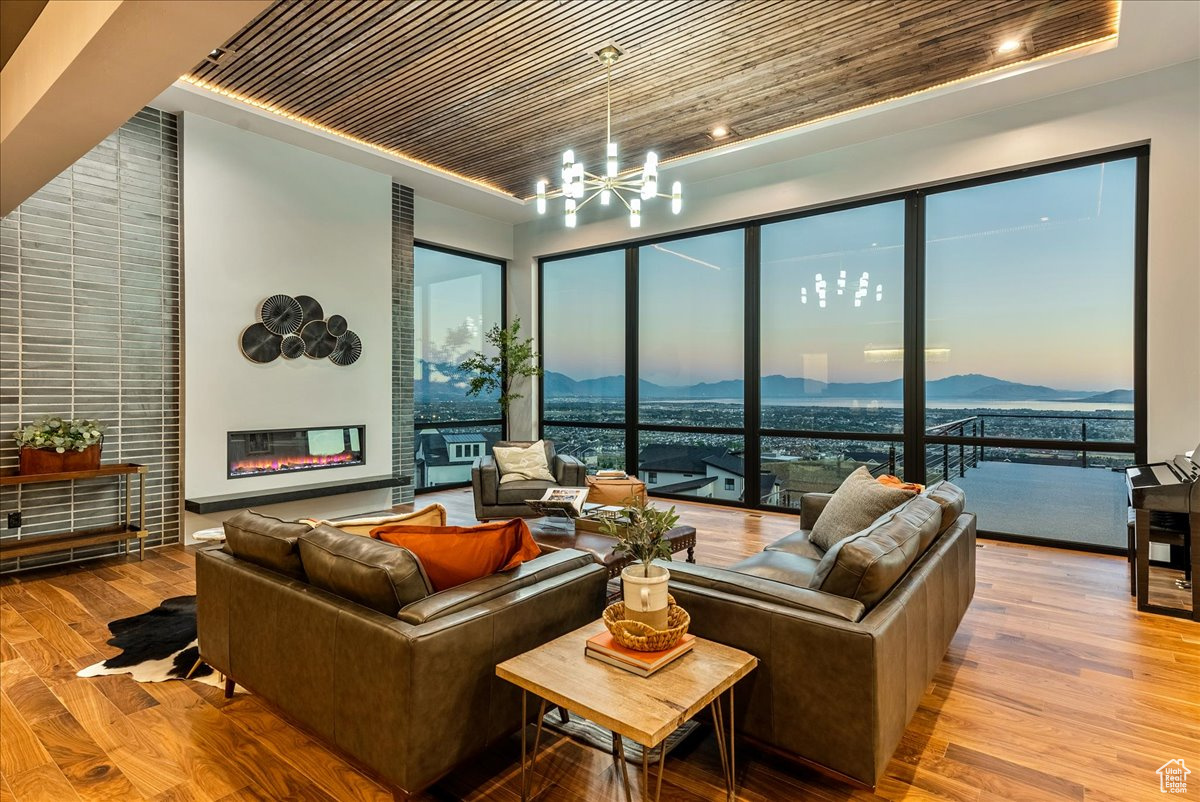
[(847, 403)]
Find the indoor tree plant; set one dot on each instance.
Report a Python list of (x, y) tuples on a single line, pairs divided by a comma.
[(54, 444), (515, 358), (640, 531)]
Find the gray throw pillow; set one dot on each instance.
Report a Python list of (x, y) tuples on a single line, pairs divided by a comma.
[(854, 507)]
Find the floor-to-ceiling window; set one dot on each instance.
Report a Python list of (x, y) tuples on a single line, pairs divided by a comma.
[(457, 297), (981, 331), (832, 345), (1029, 287)]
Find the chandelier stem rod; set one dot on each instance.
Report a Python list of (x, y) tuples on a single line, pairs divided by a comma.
[(608, 104)]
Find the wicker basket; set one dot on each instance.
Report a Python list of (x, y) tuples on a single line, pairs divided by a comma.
[(641, 637)]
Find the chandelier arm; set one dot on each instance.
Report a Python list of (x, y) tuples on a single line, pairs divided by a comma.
[(587, 200), (621, 198)]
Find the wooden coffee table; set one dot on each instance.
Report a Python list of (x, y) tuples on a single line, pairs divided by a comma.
[(644, 709), (552, 535)]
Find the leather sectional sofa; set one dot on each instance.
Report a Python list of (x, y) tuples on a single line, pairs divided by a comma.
[(342, 634), (848, 640)]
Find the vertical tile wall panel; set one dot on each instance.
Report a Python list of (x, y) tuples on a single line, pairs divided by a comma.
[(89, 327), (402, 337)]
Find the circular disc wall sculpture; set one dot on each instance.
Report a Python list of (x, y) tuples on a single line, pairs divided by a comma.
[(294, 326), (281, 314), (259, 344), (318, 342), (292, 346), (347, 351)]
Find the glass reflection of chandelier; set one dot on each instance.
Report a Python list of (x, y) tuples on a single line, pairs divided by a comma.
[(861, 293), (579, 187)]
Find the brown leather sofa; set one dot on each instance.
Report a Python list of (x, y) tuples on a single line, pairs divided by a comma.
[(842, 668), (496, 500), (341, 633)]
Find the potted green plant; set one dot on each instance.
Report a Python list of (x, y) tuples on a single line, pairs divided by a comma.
[(640, 531), (55, 445), (515, 358)]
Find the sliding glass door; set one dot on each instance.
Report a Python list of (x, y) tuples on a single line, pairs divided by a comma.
[(457, 297)]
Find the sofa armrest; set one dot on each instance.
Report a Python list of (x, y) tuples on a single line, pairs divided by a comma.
[(765, 590), (479, 591), (485, 479), (811, 507), (568, 471)]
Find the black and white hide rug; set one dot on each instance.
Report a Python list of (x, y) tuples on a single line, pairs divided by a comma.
[(157, 646)]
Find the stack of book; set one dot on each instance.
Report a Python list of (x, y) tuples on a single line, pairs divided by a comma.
[(611, 474), (604, 648)]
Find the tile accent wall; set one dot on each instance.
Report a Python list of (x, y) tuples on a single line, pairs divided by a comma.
[(89, 327), (402, 331)]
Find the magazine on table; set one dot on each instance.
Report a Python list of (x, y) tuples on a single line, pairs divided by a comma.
[(559, 500)]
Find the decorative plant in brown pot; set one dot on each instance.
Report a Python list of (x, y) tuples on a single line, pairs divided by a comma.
[(57, 445)]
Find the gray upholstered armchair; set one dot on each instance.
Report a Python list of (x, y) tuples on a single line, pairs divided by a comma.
[(495, 500)]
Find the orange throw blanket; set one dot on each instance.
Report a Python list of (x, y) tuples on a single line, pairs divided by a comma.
[(453, 555), (896, 481)]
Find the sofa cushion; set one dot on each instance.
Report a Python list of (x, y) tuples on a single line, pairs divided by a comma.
[(519, 463), (365, 571), (868, 565), (517, 492), (952, 498), (797, 543), (858, 502), (433, 515), (452, 555), (265, 541), (779, 566)]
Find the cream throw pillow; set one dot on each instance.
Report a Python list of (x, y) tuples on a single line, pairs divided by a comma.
[(518, 463), (855, 506)]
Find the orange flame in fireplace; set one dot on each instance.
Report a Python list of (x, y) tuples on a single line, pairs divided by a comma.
[(279, 464)]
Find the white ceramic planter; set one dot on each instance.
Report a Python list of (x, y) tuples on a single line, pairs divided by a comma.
[(646, 595)]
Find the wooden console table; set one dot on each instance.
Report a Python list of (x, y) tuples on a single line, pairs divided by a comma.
[(59, 541)]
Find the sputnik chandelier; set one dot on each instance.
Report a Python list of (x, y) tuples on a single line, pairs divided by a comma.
[(860, 294), (579, 187)]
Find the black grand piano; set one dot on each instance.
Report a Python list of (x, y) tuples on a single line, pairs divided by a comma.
[(1165, 496)]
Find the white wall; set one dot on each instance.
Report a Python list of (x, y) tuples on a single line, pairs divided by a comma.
[(1162, 107), (262, 217), (438, 224)]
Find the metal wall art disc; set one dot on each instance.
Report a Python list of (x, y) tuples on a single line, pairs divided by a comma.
[(259, 344), (292, 346), (337, 325), (347, 350), (281, 314), (311, 307), (318, 342)]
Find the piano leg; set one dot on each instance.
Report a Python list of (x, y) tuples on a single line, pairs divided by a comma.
[(1141, 527), (1194, 556)]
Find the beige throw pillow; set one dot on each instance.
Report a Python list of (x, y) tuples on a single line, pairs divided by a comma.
[(519, 463), (855, 506)]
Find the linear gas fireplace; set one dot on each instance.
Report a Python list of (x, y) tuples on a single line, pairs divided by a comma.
[(272, 451)]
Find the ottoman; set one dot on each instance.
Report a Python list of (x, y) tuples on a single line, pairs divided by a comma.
[(614, 491)]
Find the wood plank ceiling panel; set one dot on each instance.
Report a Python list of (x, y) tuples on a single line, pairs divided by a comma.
[(495, 91)]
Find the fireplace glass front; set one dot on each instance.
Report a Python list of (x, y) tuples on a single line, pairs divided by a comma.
[(261, 453)]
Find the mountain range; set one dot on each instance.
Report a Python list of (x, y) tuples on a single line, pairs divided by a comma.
[(961, 387)]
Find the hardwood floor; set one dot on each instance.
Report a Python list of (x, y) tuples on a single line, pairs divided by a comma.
[(1054, 688)]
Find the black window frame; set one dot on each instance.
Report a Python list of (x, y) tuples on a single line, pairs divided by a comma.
[(913, 439), (502, 420)]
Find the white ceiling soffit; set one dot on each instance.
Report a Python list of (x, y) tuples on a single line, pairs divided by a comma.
[(1153, 34)]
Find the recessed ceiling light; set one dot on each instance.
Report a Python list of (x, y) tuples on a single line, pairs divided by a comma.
[(1009, 46), (720, 132)]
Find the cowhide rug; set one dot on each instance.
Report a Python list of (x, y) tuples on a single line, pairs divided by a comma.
[(157, 646)]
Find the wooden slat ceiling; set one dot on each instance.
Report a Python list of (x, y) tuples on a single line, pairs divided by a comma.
[(495, 91)]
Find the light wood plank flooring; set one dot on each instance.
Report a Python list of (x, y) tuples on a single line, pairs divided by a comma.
[(1054, 688)]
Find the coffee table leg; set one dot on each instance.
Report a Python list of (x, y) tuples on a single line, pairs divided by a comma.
[(619, 742), (691, 554), (719, 731), (732, 759), (524, 727)]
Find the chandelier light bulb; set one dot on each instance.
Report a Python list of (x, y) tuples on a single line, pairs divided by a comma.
[(612, 160), (570, 212), (821, 303), (541, 197), (803, 295), (635, 213), (605, 197), (676, 198), (878, 292)]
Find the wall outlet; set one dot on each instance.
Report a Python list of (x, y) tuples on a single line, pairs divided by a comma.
[(14, 520)]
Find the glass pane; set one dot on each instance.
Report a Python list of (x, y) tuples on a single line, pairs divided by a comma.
[(444, 455), (598, 449), (833, 321), (798, 466), (583, 337), (1029, 297), (690, 331), (1060, 495), (701, 465), (456, 299)]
